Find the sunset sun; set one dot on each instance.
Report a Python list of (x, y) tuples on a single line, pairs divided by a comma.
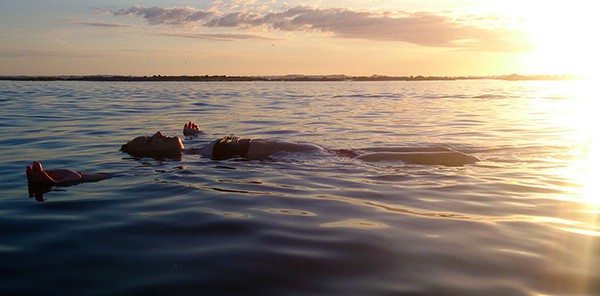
[(561, 37)]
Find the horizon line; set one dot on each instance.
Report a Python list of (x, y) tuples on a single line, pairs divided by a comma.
[(287, 77)]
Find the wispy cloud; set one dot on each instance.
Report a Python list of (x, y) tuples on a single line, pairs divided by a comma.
[(13, 53), (422, 28), (170, 16), (97, 23), (218, 37)]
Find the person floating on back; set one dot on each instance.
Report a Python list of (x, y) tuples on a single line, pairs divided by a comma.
[(159, 145), (261, 149)]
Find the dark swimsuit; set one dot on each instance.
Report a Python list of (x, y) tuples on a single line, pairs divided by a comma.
[(229, 147)]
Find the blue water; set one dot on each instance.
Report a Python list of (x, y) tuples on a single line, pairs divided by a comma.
[(522, 221)]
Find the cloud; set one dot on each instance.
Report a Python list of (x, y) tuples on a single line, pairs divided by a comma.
[(168, 16), (10, 53), (218, 37), (97, 24), (421, 28)]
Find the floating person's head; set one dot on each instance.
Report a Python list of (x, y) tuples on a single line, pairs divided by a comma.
[(157, 144)]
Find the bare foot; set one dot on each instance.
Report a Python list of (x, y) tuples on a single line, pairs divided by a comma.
[(58, 177), (191, 129), (36, 174)]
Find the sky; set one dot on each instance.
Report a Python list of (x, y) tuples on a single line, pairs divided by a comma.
[(273, 37)]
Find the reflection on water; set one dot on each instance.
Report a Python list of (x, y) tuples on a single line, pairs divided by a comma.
[(231, 215), (290, 212), (522, 221), (579, 118), (356, 224)]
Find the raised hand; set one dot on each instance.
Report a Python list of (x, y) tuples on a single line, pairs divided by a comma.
[(191, 129), (36, 174)]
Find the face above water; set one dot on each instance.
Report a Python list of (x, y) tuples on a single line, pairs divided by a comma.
[(157, 143)]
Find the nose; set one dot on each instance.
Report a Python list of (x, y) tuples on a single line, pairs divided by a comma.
[(158, 135)]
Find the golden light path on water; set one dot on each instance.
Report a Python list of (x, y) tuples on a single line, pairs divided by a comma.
[(585, 123), (576, 119), (561, 37)]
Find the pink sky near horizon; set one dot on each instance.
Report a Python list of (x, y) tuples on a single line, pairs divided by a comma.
[(254, 37)]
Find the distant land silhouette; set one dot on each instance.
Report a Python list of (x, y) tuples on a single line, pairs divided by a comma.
[(512, 77)]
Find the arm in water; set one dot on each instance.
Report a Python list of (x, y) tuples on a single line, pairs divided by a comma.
[(60, 177), (41, 181)]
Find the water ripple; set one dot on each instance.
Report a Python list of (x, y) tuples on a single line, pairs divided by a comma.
[(518, 222)]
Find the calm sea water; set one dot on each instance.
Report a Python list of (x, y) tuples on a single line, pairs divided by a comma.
[(522, 221)]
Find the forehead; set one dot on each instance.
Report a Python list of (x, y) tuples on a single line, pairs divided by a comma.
[(139, 139)]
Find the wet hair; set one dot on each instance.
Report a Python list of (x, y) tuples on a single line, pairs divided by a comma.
[(229, 147), (127, 146)]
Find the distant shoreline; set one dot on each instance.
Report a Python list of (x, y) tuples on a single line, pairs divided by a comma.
[(286, 78)]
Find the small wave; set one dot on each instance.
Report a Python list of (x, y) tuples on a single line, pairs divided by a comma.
[(264, 122), (355, 224), (425, 213), (281, 132), (291, 212), (557, 98), (230, 215), (586, 232), (442, 96), (521, 148), (369, 96), (240, 181), (492, 96), (390, 178)]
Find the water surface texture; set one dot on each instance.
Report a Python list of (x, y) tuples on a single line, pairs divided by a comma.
[(522, 221)]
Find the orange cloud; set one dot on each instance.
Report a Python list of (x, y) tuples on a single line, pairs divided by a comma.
[(422, 28)]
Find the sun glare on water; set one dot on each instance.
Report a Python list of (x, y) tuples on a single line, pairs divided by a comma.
[(590, 136), (583, 123), (564, 43)]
